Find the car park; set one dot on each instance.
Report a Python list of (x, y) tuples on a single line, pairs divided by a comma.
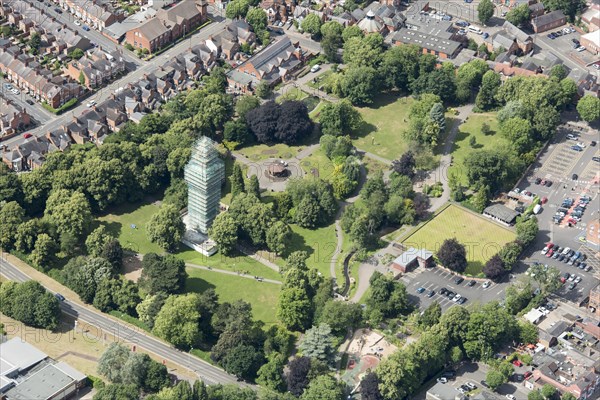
[(443, 291), (450, 294), (486, 284), (576, 148), (420, 290)]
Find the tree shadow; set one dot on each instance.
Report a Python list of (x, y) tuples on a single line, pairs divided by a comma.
[(363, 130), (297, 243), (112, 227), (197, 285), (385, 99)]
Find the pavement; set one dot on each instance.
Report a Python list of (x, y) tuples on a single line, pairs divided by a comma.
[(558, 163), (227, 272), (99, 322)]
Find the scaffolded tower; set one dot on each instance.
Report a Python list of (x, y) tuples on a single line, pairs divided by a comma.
[(204, 175)]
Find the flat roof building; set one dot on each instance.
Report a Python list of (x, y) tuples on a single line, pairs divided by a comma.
[(27, 373), (429, 44), (412, 258)]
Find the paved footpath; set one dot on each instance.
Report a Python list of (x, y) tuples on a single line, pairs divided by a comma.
[(224, 271)]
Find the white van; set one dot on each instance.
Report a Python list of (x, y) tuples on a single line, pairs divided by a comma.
[(537, 208), (475, 29)]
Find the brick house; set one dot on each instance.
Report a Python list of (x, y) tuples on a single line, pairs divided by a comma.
[(548, 21), (167, 26), (13, 118), (512, 39)]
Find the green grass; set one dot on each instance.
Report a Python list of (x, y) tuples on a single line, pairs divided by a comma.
[(132, 320), (462, 147), (260, 152), (481, 237), (384, 122), (315, 113), (291, 93), (320, 79), (119, 223), (237, 262), (319, 243), (318, 161), (262, 295), (373, 166)]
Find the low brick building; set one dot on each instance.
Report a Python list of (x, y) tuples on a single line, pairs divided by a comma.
[(548, 21)]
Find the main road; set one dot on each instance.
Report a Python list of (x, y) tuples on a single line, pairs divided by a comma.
[(105, 92), (207, 372)]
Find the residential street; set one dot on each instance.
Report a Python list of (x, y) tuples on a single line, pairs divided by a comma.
[(128, 334)]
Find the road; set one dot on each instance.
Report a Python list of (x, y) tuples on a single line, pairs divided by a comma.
[(104, 93), (208, 373), (36, 111)]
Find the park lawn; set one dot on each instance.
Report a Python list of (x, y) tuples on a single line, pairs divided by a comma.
[(319, 243), (317, 164), (381, 132), (372, 166), (262, 296), (237, 262), (462, 147), (481, 237), (316, 112), (119, 223)]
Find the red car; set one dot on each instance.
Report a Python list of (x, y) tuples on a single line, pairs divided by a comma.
[(572, 221), (544, 200), (549, 253), (517, 363), (528, 374), (550, 245), (27, 135)]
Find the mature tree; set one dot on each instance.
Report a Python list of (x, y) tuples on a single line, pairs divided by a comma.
[(69, 211), (29, 303), (257, 18), (495, 379), (10, 186), (341, 316), (334, 147), (339, 118), (177, 320), (468, 78), (311, 24), (224, 231), (527, 230), (44, 252), (569, 7), (293, 308), (360, 84), (405, 165), (83, 275), (96, 241), (253, 186), (441, 82), (297, 376), (318, 344), (485, 11), (243, 361), (489, 327), (294, 123), (237, 9), (528, 333), (237, 180), (112, 362), (369, 387), (535, 395), (387, 296), (200, 391), (510, 253), (162, 274), (400, 66), (352, 31), (491, 167), (278, 237), (270, 375), (148, 309), (430, 316), (518, 131), (567, 396), (314, 202), (263, 90), (262, 121), (166, 227), (12, 215), (245, 104), (494, 268), (519, 15), (364, 51), (324, 387), (117, 391), (559, 72), (113, 253), (588, 108), (486, 98), (28, 232), (453, 255), (437, 115), (331, 41)]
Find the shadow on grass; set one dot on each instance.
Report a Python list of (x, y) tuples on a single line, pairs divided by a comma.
[(387, 99), (474, 268), (112, 227), (198, 285), (297, 243), (364, 130)]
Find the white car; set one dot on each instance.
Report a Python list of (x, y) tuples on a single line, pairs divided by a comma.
[(511, 397), (581, 144), (77, 22), (442, 380), (544, 250), (577, 280), (572, 278), (596, 66), (580, 49), (91, 103), (456, 298), (315, 68), (15, 91), (543, 310), (486, 284)]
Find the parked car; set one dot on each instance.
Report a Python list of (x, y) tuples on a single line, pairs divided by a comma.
[(59, 296), (420, 290), (511, 397), (442, 380), (450, 294), (471, 283), (548, 183), (462, 300), (581, 48), (29, 101), (27, 135), (443, 291), (486, 284), (572, 285), (85, 28), (315, 68), (456, 298), (431, 293), (576, 148), (77, 22), (486, 35), (517, 363), (471, 385), (459, 280)]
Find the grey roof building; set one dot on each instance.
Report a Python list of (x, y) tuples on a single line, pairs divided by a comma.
[(432, 44), (501, 213)]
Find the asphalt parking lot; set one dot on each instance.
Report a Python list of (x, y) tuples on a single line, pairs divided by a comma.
[(437, 278), (558, 163)]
